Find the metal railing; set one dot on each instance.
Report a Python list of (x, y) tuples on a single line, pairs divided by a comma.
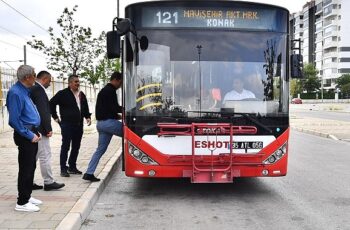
[(8, 79)]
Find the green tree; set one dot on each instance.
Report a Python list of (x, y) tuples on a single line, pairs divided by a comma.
[(73, 48), (295, 87), (311, 82), (104, 69), (346, 89), (107, 67), (343, 83)]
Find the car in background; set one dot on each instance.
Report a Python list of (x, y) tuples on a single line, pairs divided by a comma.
[(297, 101)]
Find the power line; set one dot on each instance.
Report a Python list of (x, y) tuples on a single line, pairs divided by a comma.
[(21, 48), (10, 43), (25, 16), (13, 33), (12, 61), (9, 65)]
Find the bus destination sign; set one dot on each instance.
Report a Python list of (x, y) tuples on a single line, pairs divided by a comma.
[(205, 17)]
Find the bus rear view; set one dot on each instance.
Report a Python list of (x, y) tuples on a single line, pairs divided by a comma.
[(206, 89)]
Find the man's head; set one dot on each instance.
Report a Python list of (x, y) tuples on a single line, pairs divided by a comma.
[(116, 79), (44, 78), (73, 82), (26, 75), (238, 85)]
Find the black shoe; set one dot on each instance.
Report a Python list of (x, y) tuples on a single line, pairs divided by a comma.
[(53, 186), (64, 174), (74, 171), (90, 177), (37, 187)]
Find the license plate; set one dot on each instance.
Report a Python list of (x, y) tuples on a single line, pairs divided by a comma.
[(247, 145)]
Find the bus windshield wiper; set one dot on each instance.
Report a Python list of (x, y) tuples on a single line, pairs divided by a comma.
[(255, 121), (231, 115)]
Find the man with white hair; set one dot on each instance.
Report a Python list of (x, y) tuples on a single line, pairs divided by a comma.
[(24, 119)]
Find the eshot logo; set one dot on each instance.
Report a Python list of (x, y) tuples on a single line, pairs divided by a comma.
[(211, 131)]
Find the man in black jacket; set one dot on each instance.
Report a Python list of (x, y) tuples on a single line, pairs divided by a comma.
[(40, 99), (73, 108), (108, 113)]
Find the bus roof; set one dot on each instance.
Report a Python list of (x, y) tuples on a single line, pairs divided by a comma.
[(224, 14), (154, 2)]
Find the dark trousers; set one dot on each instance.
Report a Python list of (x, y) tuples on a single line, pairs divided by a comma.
[(71, 134), (26, 167)]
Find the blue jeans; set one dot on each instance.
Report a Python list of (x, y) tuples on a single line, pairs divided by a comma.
[(106, 129)]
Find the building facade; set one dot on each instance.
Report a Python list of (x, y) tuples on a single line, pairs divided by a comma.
[(325, 37)]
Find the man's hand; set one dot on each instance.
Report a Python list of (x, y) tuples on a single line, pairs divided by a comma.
[(49, 134), (88, 121), (36, 138)]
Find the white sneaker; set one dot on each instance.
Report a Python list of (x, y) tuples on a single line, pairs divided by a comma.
[(28, 207), (35, 201)]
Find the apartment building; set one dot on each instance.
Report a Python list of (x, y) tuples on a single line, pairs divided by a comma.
[(296, 25), (325, 37)]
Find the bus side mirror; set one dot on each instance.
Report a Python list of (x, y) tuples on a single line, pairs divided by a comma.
[(123, 26), (296, 69), (113, 44)]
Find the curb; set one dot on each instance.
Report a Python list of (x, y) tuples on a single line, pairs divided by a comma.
[(313, 132), (82, 208)]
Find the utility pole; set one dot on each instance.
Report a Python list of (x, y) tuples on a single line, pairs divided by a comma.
[(118, 8), (322, 88), (25, 54)]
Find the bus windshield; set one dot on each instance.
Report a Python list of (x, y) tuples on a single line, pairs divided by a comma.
[(186, 71)]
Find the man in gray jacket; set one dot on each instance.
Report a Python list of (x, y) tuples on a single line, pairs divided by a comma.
[(40, 99)]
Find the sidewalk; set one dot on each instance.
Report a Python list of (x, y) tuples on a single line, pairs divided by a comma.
[(337, 130), (334, 129), (62, 209)]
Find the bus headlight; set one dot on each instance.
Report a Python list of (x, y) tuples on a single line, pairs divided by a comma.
[(278, 154), (140, 156), (271, 159), (137, 153), (144, 159)]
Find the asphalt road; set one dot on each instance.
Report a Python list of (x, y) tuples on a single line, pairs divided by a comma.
[(329, 115), (314, 195)]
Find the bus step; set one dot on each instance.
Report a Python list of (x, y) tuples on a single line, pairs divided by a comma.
[(211, 177)]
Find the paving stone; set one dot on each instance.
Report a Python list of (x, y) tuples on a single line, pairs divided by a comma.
[(57, 204)]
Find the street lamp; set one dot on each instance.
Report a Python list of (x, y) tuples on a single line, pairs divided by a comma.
[(322, 88), (11, 61)]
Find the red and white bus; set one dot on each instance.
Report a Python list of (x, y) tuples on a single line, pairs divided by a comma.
[(206, 89)]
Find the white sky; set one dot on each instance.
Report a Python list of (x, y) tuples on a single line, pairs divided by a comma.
[(97, 15)]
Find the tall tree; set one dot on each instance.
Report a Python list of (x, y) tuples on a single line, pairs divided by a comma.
[(269, 66), (346, 89), (107, 67), (343, 80), (73, 48), (103, 70), (311, 82), (295, 87)]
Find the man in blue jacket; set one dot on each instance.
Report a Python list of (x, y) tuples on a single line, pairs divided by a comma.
[(24, 119)]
